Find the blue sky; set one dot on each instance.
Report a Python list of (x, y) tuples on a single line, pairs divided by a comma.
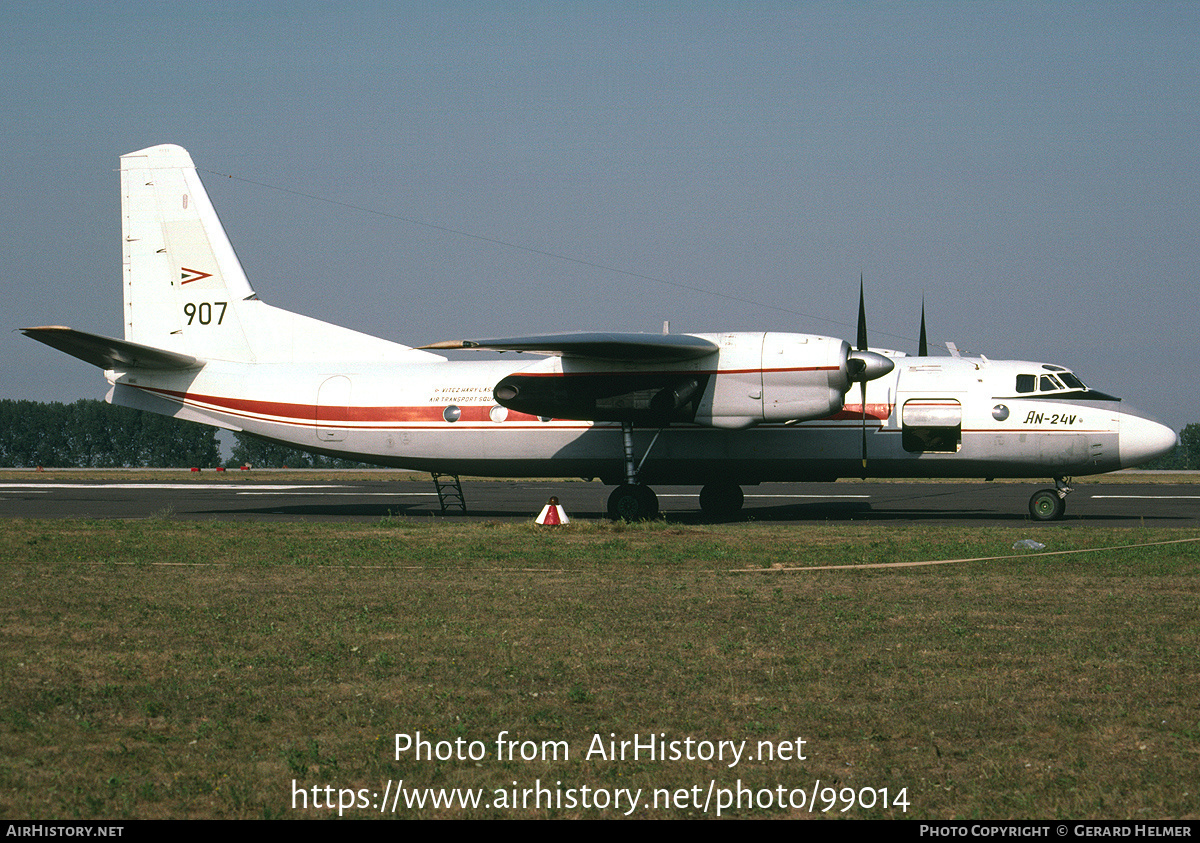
[(1030, 169)]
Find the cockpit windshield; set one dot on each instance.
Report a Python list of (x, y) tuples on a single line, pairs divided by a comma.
[(1071, 381), (1054, 379)]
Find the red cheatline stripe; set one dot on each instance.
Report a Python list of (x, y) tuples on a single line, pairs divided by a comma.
[(363, 416), (369, 417), (307, 413), (674, 372)]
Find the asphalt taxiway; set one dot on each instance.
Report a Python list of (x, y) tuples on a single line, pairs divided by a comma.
[(243, 499)]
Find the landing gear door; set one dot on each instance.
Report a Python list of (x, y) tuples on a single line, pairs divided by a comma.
[(931, 425)]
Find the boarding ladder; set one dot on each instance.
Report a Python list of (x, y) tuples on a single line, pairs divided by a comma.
[(449, 491)]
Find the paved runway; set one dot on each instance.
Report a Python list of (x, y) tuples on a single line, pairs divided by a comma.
[(239, 499)]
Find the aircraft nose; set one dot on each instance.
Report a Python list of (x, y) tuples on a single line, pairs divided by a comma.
[(1142, 439)]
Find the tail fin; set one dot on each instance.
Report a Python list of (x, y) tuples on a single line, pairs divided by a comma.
[(180, 272), (185, 290)]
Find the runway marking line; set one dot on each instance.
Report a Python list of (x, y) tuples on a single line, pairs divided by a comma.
[(180, 486), (1149, 497), (239, 488), (817, 497), (349, 494)]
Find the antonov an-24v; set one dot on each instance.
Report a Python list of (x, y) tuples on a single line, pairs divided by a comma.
[(720, 410)]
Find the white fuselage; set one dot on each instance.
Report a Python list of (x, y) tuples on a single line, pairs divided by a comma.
[(943, 416)]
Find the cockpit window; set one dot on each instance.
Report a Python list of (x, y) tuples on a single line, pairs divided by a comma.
[(1056, 379), (1062, 380)]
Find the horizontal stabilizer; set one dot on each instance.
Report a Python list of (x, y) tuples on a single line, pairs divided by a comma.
[(630, 348), (109, 353)]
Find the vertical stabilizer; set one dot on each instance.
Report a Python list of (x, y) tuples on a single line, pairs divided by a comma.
[(182, 279), (186, 291)]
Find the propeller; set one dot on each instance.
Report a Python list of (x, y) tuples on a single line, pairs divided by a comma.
[(862, 346), (864, 365), (922, 344)]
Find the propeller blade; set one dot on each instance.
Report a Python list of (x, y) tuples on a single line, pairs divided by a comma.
[(923, 344), (864, 365), (862, 316), (862, 346), (864, 430)]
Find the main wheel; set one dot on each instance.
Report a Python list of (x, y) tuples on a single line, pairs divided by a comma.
[(1046, 505), (632, 502), (721, 499)]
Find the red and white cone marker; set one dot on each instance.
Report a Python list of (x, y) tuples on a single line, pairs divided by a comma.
[(552, 514)]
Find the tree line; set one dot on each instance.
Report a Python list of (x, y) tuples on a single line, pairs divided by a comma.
[(95, 434)]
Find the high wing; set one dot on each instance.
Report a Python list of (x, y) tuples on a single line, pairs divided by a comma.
[(646, 387), (109, 353), (733, 380), (607, 347)]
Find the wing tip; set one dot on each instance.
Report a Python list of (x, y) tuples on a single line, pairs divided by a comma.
[(450, 344)]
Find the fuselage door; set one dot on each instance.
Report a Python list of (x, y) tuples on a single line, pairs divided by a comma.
[(333, 408), (932, 425)]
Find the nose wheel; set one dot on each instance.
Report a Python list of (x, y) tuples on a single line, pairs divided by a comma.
[(1050, 504)]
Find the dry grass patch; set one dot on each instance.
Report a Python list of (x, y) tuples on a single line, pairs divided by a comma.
[(136, 683)]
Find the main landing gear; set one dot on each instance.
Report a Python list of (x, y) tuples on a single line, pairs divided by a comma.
[(1050, 504), (633, 501), (721, 499)]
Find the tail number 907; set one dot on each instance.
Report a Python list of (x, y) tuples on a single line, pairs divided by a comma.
[(204, 312)]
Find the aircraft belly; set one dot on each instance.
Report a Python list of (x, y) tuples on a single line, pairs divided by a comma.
[(1052, 452), (1012, 454)]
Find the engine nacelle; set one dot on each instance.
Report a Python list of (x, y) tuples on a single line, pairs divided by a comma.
[(774, 377), (750, 378)]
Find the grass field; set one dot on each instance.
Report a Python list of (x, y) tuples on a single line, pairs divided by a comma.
[(180, 669)]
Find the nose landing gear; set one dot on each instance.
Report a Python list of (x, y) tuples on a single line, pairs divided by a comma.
[(1050, 504)]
